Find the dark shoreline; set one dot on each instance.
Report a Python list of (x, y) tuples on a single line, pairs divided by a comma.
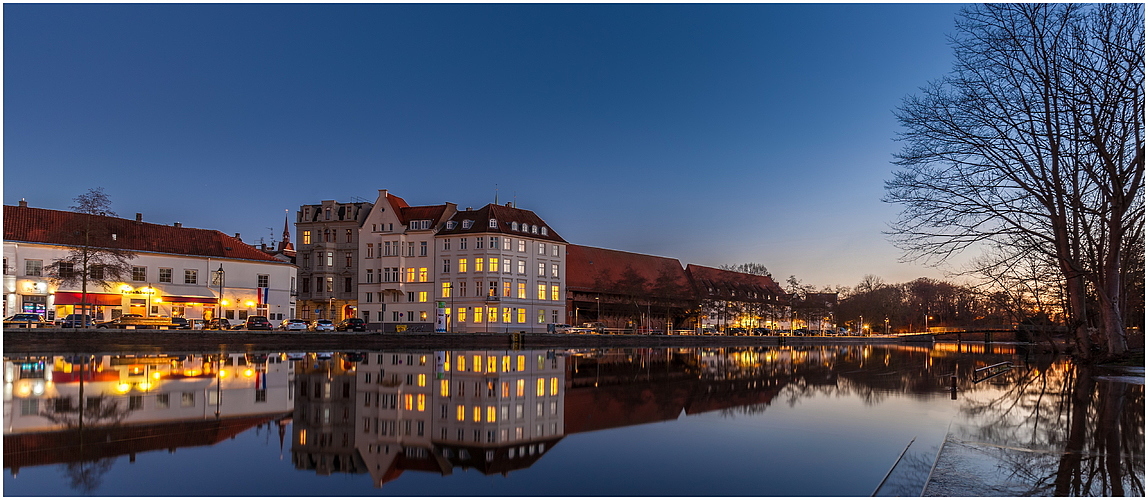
[(54, 341)]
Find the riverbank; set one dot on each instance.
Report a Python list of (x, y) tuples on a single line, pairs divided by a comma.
[(53, 340)]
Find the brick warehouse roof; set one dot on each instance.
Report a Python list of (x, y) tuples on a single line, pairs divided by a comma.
[(719, 283), (39, 225), (585, 264), (503, 216)]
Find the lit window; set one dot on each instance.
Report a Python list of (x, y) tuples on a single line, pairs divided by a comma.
[(478, 265), (492, 363), (409, 401), (520, 388), (445, 290), (477, 361), (506, 315), (491, 414), (444, 388), (541, 316), (541, 387), (423, 275), (422, 401), (307, 237), (553, 386), (493, 267), (522, 358), (521, 314), (460, 412), (553, 292), (462, 265), (422, 380), (521, 290), (462, 319), (477, 414), (410, 275), (461, 363), (478, 314), (521, 245), (492, 314), (542, 292)]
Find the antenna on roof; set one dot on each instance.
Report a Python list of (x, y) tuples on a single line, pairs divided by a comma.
[(515, 200), (496, 194)]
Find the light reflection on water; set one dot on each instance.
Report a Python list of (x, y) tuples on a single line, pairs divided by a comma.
[(756, 421)]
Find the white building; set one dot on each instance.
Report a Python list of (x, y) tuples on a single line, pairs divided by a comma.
[(174, 272), (500, 269)]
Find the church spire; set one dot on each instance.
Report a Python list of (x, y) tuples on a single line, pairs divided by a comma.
[(285, 245)]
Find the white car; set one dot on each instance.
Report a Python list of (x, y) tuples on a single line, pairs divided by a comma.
[(322, 325), (293, 325)]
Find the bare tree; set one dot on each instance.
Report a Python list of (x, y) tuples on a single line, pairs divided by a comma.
[(94, 255), (1034, 142)]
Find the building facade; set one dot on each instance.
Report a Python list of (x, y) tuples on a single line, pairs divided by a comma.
[(176, 271), (500, 269), (327, 253)]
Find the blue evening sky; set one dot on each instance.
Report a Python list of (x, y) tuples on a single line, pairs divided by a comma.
[(715, 134)]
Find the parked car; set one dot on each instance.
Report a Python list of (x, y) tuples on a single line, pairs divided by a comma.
[(257, 323), (293, 325), (198, 324), (25, 320), (137, 321), (181, 323), (78, 321), (322, 325), (352, 325), (217, 324)]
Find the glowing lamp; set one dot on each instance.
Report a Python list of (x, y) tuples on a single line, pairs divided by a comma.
[(249, 372), (123, 387), (222, 373), (250, 303)]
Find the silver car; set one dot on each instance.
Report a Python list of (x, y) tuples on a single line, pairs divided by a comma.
[(322, 325), (293, 325)]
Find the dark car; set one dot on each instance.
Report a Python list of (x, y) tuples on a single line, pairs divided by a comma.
[(217, 324), (181, 323), (352, 325), (25, 320), (77, 321), (258, 323)]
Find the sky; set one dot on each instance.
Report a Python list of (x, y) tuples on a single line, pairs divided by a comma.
[(714, 134)]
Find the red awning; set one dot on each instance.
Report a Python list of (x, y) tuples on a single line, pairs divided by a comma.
[(200, 300), (99, 299)]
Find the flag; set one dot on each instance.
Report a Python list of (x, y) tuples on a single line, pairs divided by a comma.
[(263, 293)]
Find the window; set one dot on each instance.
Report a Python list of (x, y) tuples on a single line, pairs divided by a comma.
[(494, 242), (263, 280), (553, 270), (493, 265), (493, 223), (478, 264), (445, 290), (422, 249), (349, 234), (462, 243), (522, 267), (370, 297), (191, 276), (347, 259), (423, 275), (422, 314), (478, 315), (330, 284), (505, 288), (450, 225), (521, 314), (328, 213), (478, 242), (347, 286), (410, 249), (554, 292), (462, 319), (543, 230), (139, 273), (514, 226), (541, 269), (305, 286), (423, 298), (533, 229), (370, 276), (462, 290), (446, 265), (187, 399), (410, 296), (165, 275), (462, 265), (541, 292), (307, 237), (162, 401), (318, 284), (522, 289), (506, 265), (330, 259), (553, 249), (506, 315), (492, 315), (327, 235), (410, 275), (541, 318), (521, 245), (541, 249), (467, 223)]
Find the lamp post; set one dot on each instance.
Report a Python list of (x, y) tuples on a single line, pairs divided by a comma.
[(150, 292), (219, 305), (886, 325), (926, 323), (599, 301)]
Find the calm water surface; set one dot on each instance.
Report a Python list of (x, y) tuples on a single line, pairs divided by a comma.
[(754, 421)]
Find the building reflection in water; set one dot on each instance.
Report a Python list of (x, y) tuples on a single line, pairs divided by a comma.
[(497, 411), (85, 410)]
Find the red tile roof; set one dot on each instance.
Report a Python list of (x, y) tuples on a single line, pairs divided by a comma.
[(588, 269), (721, 283), (503, 216), (432, 212), (39, 225)]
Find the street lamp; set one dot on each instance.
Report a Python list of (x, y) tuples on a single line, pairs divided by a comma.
[(219, 279), (886, 325), (599, 301), (927, 318), (150, 292)]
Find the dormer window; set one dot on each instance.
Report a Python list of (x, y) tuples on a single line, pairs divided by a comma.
[(493, 223), (543, 230), (534, 229), (467, 223), (513, 226), (450, 224)]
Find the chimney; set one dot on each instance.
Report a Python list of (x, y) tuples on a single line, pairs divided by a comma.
[(177, 224), (139, 217), (469, 209), (510, 203), (237, 237), (23, 203)]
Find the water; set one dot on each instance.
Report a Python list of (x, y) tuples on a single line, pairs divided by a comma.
[(753, 421)]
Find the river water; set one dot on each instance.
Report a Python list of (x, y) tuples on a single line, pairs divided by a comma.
[(852, 420)]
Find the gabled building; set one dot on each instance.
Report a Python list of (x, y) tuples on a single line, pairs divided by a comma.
[(327, 254), (500, 269), (738, 300), (175, 271), (397, 254)]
